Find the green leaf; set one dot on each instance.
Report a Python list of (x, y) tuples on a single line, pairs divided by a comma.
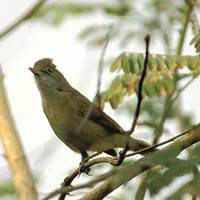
[(115, 100), (134, 67), (159, 79), (140, 61), (117, 64), (125, 64)]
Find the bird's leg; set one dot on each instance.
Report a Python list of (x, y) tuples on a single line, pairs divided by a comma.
[(84, 159), (122, 155)]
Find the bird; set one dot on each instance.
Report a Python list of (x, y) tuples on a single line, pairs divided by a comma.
[(76, 121)]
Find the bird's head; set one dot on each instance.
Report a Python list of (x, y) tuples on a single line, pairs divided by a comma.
[(47, 76)]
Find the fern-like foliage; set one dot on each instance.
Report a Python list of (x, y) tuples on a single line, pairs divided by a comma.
[(160, 76)]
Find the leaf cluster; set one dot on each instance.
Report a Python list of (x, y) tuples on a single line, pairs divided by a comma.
[(160, 76)]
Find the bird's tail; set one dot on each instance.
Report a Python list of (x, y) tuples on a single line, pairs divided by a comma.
[(119, 141), (135, 144)]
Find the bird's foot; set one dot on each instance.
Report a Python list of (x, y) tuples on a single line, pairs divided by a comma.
[(122, 155), (82, 167)]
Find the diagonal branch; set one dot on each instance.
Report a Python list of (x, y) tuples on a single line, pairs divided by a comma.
[(185, 140), (125, 174), (28, 14), (148, 149)]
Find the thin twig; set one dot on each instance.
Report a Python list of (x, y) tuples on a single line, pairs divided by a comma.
[(139, 99), (66, 188), (101, 64), (147, 149), (140, 85), (28, 14)]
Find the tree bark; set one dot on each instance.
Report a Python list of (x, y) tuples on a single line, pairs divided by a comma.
[(22, 177)]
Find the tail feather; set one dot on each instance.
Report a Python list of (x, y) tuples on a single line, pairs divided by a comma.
[(118, 141), (135, 144)]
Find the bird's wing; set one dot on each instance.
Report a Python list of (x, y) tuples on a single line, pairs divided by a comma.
[(89, 110)]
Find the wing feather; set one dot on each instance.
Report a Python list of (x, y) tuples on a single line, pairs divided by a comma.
[(89, 110)]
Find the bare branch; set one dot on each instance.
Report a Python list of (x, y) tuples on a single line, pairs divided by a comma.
[(66, 187), (101, 63), (69, 188), (192, 135), (140, 85), (125, 174), (28, 14), (122, 154), (147, 149)]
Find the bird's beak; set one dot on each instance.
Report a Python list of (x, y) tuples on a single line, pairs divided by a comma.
[(33, 71)]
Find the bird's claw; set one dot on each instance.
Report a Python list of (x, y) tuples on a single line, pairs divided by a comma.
[(82, 168), (122, 155)]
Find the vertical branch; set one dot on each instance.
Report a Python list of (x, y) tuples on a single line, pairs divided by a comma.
[(101, 64), (140, 85), (122, 154), (22, 178)]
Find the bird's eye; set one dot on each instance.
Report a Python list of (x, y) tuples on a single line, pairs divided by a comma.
[(45, 72), (49, 70)]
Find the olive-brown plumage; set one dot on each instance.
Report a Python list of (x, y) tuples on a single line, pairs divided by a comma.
[(76, 121)]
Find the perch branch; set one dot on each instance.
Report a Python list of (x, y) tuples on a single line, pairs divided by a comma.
[(126, 173), (184, 140), (120, 176)]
